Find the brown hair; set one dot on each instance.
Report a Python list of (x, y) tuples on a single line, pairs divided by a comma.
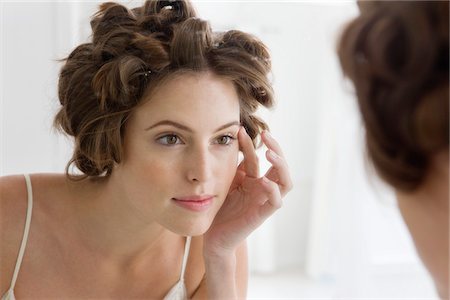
[(397, 55), (131, 52)]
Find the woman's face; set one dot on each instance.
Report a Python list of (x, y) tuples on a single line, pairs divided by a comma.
[(181, 147)]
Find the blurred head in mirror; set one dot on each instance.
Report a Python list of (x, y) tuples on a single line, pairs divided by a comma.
[(153, 78), (396, 53)]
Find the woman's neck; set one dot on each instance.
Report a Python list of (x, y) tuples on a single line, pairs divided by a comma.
[(110, 227), (426, 213)]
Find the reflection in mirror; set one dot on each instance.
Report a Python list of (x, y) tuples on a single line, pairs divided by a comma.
[(397, 56)]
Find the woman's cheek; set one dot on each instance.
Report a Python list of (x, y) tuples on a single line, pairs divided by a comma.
[(229, 165)]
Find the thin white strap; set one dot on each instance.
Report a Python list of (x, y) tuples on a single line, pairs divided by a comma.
[(26, 231), (187, 247)]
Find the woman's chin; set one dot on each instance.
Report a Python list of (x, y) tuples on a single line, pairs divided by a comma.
[(192, 228)]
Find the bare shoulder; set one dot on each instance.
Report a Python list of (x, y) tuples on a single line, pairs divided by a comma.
[(12, 187), (13, 209), (13, 194), (13, 203)]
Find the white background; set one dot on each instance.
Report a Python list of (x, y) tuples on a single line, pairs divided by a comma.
[(339, 233)]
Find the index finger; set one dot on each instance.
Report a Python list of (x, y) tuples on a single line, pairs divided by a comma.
[(271, 143), (250, 158)]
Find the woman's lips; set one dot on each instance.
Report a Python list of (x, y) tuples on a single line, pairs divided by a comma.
[(194, 203)]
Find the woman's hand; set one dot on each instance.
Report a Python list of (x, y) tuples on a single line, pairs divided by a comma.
[(251, 199)]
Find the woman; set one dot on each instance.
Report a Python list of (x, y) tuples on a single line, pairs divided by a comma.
[(159, 107), (397, 55)]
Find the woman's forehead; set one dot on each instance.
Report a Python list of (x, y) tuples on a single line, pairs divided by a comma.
[(203, 99), (195, 90)]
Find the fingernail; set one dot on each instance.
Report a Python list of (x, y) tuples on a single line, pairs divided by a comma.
[(272, 154)]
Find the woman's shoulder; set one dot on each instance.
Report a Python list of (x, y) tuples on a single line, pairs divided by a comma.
[(13, 189), (13, 207), (13, 211), (13, 204), (14, 195)]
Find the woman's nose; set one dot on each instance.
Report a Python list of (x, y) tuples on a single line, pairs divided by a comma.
[(199, 166)]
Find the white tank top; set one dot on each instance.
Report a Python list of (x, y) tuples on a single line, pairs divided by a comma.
[(177, 292)]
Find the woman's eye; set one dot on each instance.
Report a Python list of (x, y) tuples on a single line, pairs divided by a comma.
[(169, 139), (225, 140)]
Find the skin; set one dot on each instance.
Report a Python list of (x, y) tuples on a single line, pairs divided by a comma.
[(426, 213), (116, 232), (158, 158), (251, 200)]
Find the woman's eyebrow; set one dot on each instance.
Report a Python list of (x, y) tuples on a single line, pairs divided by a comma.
[(186, 128), (234, 123)]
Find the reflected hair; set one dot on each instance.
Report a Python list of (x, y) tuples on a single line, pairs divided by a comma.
[(396, 53), (131, 52)]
